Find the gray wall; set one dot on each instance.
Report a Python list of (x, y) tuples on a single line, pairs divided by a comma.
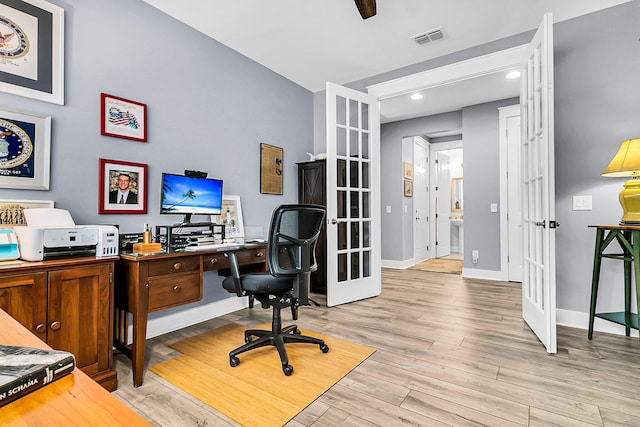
[(397, 223), (209, 108), (480, 133)]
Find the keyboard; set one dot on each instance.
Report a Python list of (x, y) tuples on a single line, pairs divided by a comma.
[(213, 246)]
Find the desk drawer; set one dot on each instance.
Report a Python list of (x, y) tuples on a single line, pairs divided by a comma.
[(174, 290), (215, 261), (172, 266), (252, 256)]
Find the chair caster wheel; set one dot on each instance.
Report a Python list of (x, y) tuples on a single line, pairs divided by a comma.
[(297, 331), (324, 348), (234, 361), (287, 369), (247, 339)]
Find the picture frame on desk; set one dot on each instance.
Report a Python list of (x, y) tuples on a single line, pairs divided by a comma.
[(123, 118), (231, 217), (12, 210), (112, 178), (33, 53), (25, 150)]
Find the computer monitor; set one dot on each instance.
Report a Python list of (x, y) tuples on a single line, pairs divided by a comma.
[(190, 195)]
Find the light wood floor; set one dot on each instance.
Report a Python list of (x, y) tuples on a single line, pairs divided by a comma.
[(450, 351)]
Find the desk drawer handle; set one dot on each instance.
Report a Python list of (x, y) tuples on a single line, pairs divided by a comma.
[(176, 289), (55, 325), (177, 266), (259, 254), (40, 328), (213, 260)]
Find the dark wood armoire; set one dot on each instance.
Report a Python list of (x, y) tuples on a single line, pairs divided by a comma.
[(312, 189)]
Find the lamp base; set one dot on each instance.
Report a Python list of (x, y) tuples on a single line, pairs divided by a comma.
[(630, 202)]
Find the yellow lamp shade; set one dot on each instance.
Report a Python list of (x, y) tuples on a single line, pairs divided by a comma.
[(625, 163)]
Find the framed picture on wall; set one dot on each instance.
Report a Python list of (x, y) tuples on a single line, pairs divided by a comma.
[(231, 217), (122, 187), (25, 146), (123, 118), (270, 169), (12, 210), (408, 188), (32, 49), (408, 170)]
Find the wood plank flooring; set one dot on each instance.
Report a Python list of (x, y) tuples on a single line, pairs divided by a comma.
[(450, 352)]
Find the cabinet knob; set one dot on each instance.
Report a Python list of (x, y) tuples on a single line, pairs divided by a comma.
[(213, 260), (177, 266), (55, 325), (176, 288), (259, 254), (40, 328)]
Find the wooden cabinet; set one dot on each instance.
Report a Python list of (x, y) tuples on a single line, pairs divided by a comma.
[(312, 189), (68, 304)]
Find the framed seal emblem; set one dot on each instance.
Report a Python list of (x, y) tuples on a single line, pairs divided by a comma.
[(32, 49), (25, 144)]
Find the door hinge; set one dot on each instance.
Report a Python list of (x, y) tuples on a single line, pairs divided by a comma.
[(436, 243), (436, 161), (110, 277)]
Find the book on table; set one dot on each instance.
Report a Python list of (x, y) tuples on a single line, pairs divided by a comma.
[(25, 369)]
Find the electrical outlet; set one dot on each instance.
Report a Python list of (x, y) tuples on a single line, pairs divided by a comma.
[(475, 255)]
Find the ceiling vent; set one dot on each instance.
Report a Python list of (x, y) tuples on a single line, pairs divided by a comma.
[(430, 36)]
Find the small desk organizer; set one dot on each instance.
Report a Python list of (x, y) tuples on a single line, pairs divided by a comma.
[(8, 245)]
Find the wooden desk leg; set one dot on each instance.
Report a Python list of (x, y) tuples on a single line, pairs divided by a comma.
[(629, 261), (140, 314), (597, 261)]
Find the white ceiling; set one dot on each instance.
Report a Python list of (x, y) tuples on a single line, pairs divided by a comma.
[(311, 42)]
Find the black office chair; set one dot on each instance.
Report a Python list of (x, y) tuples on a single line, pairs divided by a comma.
[(291, 258)]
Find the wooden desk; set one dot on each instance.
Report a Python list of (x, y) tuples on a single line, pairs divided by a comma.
[(628, 237), (68, 304), (73, 400), (149, 283)]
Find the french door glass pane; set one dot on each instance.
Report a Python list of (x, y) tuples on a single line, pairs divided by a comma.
[(366, 264), (342, 173), (365, 145), (366, 234), (353, 174), (355, 235), (355, 209), (364, 114), (342, 235), (365, 175), (342, 267), (353, 143), (341, 142), (366, 208), (353, 113), (355, 265), (341, 110), (342, 204)]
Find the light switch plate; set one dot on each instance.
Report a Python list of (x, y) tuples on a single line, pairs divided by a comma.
[(493, 207), (582, 203)]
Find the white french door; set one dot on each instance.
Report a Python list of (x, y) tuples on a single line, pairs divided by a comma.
[(353, 195), (538, 181)]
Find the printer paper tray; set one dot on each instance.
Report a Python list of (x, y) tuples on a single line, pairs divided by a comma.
[(69, 252)]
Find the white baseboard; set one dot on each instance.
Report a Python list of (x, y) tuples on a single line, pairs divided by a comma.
[(474, 273), (398, 265), (173, 322)]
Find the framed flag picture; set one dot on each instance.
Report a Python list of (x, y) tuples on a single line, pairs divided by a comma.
[(123, 118)]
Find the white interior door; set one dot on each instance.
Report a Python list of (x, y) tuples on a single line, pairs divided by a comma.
[(514, 201), (538, 195), (353, 195), (443, 205), (421, 199)]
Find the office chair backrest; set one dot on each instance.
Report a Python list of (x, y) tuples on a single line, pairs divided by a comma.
[(292, 242)]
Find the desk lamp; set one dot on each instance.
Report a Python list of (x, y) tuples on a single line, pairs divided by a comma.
[(626, 162)]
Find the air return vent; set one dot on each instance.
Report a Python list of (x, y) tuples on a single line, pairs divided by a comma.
[(430, 36)]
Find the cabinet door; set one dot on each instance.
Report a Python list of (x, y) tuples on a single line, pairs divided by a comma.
[(24, 297), (79, 314)]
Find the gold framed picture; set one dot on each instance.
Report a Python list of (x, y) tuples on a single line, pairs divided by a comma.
[(408, 188), (408, 170), (270, 169)]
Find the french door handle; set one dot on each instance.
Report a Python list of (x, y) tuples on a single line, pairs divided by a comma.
[(334, 221), (540, 223)]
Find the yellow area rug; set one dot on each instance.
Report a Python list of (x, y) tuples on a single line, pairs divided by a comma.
[(439, 265), (256, 392)]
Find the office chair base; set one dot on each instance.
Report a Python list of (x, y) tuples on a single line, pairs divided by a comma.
[(278, 339)]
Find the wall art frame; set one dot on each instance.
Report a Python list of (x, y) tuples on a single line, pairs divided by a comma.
[(232, 221), (11, 210), (123, 118), (271, 169), (111, 178), (32, 59), (407, 170), (25, 150), (408, 188)]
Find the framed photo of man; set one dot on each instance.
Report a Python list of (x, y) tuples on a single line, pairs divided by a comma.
[(122, 187)]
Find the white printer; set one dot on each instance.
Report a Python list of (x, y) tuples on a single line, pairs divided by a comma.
[(51, 234)]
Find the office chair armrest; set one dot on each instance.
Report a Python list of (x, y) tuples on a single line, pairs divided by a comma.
[(230, 253)]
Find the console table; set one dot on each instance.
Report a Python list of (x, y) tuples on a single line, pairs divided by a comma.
[(72, 400), (149, 283), (628, 238)]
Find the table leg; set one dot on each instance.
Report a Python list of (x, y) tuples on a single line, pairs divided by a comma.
[(597, 262), (140, 314), (635, 248)]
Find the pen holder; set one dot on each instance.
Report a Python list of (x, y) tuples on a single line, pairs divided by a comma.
[(146, 237)]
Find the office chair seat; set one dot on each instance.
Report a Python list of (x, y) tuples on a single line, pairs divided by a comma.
[(293, 235)]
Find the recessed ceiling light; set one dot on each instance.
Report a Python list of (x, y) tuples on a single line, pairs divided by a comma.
[(416, 96), (513, 75)]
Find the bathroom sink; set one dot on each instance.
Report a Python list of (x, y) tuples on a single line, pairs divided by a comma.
[(457, 222)]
